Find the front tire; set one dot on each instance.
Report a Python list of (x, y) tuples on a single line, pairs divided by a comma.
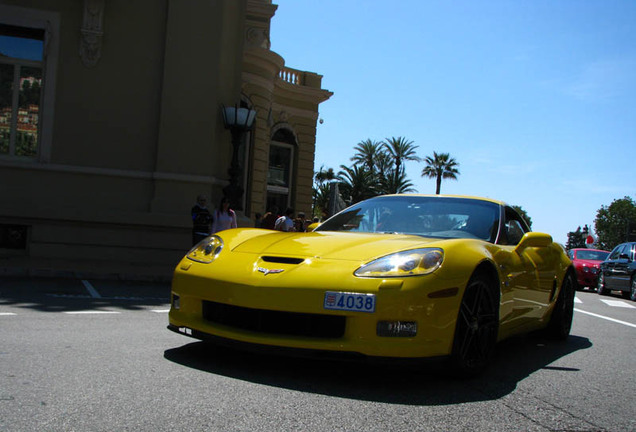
[(561, 320), (601, 285), (477, 326), (633, 289)]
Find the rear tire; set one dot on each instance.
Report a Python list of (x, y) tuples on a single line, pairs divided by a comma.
[(633, 289), (561, 320), (477, 326), (601, 285)]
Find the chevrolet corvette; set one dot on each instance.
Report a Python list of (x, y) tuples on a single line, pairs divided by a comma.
[(395, 276)]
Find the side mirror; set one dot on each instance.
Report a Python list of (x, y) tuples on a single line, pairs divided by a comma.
[(624, 256), (313, 226), (534, 239)]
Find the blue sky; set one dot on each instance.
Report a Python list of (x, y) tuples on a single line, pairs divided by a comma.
[(536, 100)]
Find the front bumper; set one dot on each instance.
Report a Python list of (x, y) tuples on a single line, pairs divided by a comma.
[(301, 294)]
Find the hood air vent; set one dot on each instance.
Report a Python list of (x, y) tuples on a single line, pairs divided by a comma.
[(282, 260)]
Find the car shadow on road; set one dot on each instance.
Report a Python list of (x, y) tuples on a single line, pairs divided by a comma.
[(424, 384)]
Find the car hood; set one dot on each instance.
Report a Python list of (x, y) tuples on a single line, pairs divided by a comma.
[(588, 263), (331, 245)]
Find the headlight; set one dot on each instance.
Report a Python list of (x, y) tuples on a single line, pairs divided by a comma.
[(414, 262), (206, 250)]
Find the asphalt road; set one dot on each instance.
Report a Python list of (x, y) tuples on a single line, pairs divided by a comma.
[(96, 356)]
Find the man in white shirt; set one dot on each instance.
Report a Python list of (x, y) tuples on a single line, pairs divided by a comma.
[(286, 221)]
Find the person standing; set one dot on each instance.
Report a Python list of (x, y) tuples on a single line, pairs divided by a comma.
[(286, 221), (269, 219), (201, 220), (224, 217), (258, 220), (300, 224)]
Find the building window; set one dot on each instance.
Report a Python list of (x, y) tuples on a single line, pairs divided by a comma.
[(29, 50), (280, 170), (21, 66)]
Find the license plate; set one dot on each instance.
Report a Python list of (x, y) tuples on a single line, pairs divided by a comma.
[(349, 301)]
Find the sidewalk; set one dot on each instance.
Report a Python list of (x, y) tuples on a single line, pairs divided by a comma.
[(83, 269)]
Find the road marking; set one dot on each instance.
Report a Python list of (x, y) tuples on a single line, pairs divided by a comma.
[(91, 290), (618, 303), (160, 310), (90, 312), (6, 313), (606, 318), (577, 300)]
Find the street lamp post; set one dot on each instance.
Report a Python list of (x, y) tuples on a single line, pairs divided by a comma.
[(238, 121)]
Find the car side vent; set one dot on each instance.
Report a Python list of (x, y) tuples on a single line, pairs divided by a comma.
[(282, 260)]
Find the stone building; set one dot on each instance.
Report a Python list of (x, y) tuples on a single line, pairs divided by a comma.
[(111, 124)]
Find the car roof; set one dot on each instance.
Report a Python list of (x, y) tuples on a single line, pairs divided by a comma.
[(476, 198)]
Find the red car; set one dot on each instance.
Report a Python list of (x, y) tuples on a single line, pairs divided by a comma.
[(586, 263)]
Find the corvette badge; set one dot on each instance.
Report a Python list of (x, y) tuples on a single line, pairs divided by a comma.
[(269, 271)]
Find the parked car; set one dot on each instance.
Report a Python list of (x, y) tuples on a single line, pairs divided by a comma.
[(402, 276), (618, 271), (586, 264)]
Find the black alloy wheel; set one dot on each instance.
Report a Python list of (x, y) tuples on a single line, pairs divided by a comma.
[(560, 322), (477, 326), (601, 285), (633, 290)]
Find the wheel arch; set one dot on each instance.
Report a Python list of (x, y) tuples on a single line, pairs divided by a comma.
[(489, 269)]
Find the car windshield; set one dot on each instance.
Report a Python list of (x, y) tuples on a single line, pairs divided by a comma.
[(592, 255), (441, 217)]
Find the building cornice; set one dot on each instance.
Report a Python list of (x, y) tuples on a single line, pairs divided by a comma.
[(303, 93)]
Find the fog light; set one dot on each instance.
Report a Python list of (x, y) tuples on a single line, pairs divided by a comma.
[(397, 328), (176, 301)]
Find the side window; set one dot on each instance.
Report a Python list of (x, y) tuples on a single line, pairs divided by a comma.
[(514, 227), (616, 252), (626, 252)]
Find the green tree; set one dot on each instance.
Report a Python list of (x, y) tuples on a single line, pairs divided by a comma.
[(440, 166), (523, 214), (395, 183), (320, 192), (401, 150), (612, 222), (324, 175), (576, 239), (356, 184), (367, 153), (321, 199)]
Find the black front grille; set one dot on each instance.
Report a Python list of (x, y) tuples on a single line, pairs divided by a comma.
[(275, 322)]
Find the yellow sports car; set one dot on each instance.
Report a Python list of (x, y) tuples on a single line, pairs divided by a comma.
[(401, 276)]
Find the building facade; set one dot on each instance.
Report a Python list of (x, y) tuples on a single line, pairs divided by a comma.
[(111, 125)]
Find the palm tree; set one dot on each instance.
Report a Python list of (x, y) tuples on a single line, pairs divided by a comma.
[(324, 175), (367, 153), (356, 184), (394, 183), (401, 150), (320, 189), (321, 199), (440, 166), (384, 165)]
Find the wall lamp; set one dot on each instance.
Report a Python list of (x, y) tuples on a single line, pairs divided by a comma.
[(239, 121)]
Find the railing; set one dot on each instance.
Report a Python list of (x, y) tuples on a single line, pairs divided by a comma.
[(300, 78), (290, 75)]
